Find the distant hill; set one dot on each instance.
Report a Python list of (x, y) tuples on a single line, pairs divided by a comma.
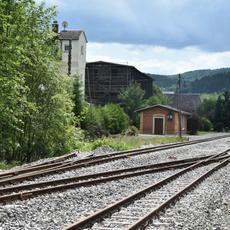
[(193, 81), (211, 84)]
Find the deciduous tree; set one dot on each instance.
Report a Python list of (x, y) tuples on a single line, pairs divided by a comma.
[(36, 116), (132, 99)]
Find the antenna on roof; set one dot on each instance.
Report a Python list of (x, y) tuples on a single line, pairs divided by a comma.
[(64, 25)]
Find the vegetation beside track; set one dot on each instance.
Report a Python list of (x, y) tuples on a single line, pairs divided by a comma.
[(126, 142), (116, 143), (4, 165)]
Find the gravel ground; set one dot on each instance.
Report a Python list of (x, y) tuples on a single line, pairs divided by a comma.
[(152, 200), (196, 150), (53, 211), (206, 207)]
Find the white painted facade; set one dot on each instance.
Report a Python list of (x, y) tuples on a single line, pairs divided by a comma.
[(78, 57)]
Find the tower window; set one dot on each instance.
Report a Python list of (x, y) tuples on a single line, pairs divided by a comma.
[(66, 48)]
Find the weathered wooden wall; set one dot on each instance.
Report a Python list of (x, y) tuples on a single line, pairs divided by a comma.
[(104, 81)]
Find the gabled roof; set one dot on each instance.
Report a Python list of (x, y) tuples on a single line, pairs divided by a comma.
[(109, 63), (166, 107), (71, 35)]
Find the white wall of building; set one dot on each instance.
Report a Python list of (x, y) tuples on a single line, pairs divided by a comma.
[(78, 58)]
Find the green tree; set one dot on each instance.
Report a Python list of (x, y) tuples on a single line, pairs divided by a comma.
[(218, 117), (93, 122), (77, 97), (226, 109), (206, 124), (157, 98), (207, 108), (132, 99), (115, 118), (36, 116)]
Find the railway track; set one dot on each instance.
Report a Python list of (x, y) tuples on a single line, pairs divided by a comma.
[(138, 210), (40, 166), (25, 191), (58, 167)]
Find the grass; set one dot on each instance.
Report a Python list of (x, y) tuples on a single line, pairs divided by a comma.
[(202, 132), (117, 143), (4, 165), (125, 142)]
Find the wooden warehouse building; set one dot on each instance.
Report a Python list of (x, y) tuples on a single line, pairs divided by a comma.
[(104, 81), (162, 120)]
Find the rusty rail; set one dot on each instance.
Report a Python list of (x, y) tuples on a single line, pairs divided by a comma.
[(97, 216), (143, 222), (55, 167), (88, 180)]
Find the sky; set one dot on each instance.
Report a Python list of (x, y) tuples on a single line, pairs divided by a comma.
[(156, 36)]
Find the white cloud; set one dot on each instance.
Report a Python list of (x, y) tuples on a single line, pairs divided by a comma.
[(157, 59)]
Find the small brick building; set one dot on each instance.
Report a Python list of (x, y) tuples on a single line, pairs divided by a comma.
[(161, 120)]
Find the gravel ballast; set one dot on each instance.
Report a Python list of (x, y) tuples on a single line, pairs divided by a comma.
[(206, 207), (191, 151), (57, 209), (53, 211)]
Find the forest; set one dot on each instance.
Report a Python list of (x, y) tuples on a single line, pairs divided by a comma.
[(198, 81)]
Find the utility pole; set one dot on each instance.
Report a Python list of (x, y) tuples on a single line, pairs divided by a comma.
[(179, 103)]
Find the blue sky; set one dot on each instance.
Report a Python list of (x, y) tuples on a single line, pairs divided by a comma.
[(157, 36)]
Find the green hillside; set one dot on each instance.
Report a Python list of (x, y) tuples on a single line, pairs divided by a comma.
[(211, 84), (196, 81)]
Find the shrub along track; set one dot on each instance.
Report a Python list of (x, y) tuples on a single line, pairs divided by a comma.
[(20, 192), (58, 166), (137, 210)]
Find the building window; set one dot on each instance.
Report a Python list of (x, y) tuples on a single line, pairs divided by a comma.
[(66, 48), (82, 50)]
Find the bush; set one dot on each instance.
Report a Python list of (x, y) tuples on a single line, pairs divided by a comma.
[(102, 121), (93, 122), (194, 124), (132, 131), (115, 119), (206, 124), (219, 126)]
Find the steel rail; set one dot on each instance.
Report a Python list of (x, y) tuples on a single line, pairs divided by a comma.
[(99, 215), (56, 162), (100, 160), (144, 221), (31, 168), (68, 183)]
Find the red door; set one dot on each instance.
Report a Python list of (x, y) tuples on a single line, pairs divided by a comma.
[(158, 126)]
